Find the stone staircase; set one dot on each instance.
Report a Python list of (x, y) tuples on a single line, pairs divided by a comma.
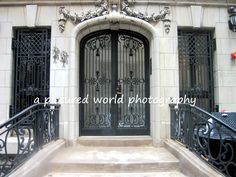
[(114, 156)]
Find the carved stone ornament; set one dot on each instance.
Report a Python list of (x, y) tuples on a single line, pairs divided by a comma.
[(55, 54), (126, 10), (103, 9), (64, 57), (61, 56), (75, 18)]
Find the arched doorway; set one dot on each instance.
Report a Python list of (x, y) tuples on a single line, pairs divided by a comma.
[(114, 66)]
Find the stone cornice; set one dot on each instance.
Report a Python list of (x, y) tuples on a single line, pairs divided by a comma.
[(222, 3), (44, 2)]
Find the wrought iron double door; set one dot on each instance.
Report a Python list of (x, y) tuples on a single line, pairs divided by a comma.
[(114, 79)]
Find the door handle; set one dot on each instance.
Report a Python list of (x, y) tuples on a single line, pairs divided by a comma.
[(118, 91)]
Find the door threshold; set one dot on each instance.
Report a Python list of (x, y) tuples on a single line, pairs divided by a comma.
[(115, 137), (115, 140)]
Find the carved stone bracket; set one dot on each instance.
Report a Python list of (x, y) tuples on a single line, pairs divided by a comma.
[(103, 9), (61, 56)]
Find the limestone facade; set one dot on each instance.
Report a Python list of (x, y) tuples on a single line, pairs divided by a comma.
[(64, 81)]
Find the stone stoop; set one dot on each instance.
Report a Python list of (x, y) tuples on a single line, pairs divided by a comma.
[(119, 156)]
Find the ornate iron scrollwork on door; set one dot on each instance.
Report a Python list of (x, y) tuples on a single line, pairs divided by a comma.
[(132, 119), (97, 81), (131, 81), (98, 119), (114, 65)]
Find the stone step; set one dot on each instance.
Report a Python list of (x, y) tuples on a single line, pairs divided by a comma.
[(150, 174), (114, 141), (87, 159)]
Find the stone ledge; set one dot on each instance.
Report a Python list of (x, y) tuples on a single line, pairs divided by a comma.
[(37, 165), (190, 164), (222, 3), (189, 2), (147, 174)]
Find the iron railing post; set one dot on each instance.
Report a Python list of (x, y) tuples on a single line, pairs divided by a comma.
[(185, 127), (11, 112), (38, 122), (172, 122), (56, 119), (190, 128)]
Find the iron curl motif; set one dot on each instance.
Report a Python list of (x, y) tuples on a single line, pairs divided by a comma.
[(30, 129), (98, 119), (130, 42), (210, 138), (132, 119), (98, 81), (132, 81), (99, 42)]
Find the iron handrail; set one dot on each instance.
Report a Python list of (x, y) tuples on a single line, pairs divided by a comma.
[(212, 140), (30, 130), (25, 111), (207, 113)]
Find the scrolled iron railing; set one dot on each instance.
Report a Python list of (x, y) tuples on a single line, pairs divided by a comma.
[(207, 136), (26, 133)]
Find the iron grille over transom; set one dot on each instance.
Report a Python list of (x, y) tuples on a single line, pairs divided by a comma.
[(31, 49), (114, 64), (196, 67)]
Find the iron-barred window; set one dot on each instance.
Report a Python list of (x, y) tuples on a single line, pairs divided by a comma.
[(31, 49), (196, 67)]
